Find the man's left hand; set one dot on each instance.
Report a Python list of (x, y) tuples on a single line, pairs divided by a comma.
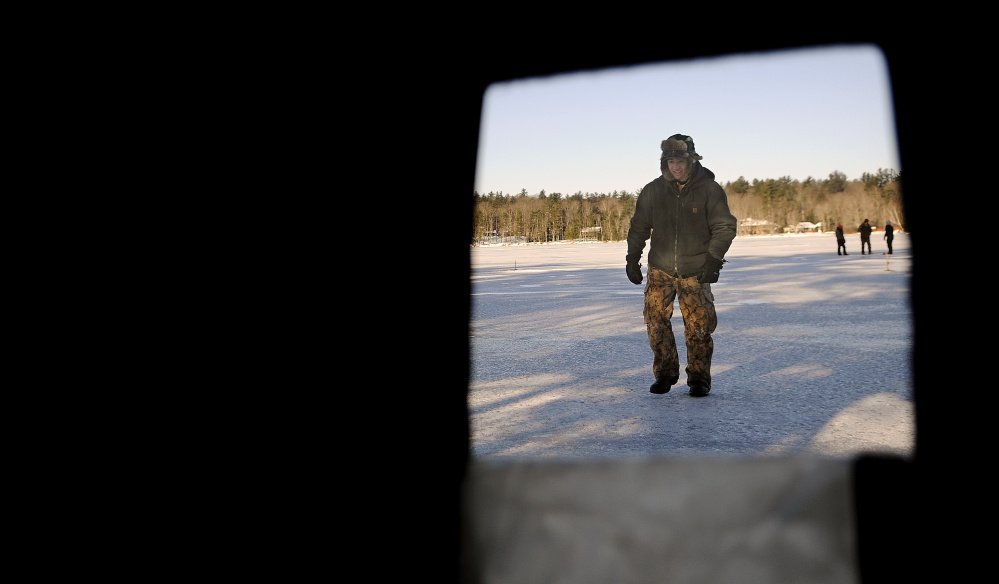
[(709, 271)]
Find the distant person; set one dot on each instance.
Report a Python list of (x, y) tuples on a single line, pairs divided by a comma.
[(840, 240), (686, 213), (889, 234), (865, 236)]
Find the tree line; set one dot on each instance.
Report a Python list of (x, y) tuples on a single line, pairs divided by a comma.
[(762, 207)]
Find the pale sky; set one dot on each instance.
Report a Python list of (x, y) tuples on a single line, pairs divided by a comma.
[(760, 116)]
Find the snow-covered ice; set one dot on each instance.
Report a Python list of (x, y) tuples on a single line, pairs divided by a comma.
[(812, 354)]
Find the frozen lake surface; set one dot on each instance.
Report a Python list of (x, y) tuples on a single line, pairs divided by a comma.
[(812, 354)]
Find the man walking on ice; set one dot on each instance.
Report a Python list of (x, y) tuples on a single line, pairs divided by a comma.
[(686, 214)]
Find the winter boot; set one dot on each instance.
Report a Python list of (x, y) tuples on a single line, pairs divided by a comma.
[(663, 384), (698, 388)]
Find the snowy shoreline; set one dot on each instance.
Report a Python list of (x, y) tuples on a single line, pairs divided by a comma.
[(897, 233)]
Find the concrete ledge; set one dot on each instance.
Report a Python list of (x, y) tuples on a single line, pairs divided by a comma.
[(714, 520)]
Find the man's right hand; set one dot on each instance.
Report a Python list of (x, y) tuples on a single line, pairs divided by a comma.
[(634, 270)]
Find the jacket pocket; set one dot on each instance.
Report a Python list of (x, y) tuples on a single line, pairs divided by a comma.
[(697, 217)]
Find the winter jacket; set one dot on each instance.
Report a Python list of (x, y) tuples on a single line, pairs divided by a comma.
[(685, 224), (865, 231), (839, 234)]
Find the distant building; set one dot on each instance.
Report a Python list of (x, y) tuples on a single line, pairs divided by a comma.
[(750, 226), (805, 227), (589, 233)]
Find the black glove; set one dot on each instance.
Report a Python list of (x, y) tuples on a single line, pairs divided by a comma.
[(634, 270), (709, 271)]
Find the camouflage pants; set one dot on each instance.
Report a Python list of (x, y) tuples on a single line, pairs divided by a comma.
[(697, 306)]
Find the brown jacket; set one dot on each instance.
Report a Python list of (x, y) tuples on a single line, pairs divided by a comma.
[(685, 224)]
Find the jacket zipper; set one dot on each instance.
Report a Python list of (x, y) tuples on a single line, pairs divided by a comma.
[(676, 232)]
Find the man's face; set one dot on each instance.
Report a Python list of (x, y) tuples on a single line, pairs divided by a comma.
[(677, 167)]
